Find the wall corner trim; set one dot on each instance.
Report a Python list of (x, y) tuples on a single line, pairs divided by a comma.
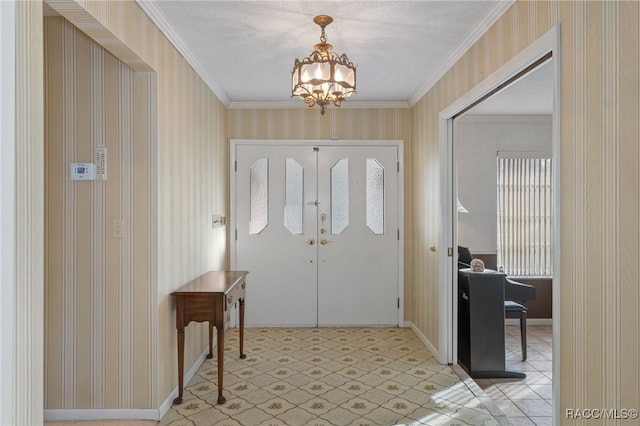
[(425, 341)]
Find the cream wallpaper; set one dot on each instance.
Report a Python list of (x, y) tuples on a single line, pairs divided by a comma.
[(98, 278), (307, 124), (112, 339), (600, 159), (25, 342)]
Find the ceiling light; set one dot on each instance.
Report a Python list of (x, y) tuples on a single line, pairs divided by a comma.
[(323, 77)]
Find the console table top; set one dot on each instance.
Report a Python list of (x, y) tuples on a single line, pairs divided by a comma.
[(212, 282)]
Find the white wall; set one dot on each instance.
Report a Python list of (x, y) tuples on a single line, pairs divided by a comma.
[(478, 138)]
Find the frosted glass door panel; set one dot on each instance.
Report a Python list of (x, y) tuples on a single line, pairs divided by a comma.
[(294, 187), (259, 193), (339, 196), (375, 196)]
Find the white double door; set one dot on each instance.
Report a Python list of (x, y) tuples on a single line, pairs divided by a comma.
[(317, 229)]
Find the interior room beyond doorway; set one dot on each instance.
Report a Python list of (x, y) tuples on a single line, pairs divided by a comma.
[(517, 119)]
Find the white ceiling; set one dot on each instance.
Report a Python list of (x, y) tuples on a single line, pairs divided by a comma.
[(531, 94), (245, 50)]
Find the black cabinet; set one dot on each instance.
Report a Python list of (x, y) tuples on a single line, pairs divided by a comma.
[(481, 324)]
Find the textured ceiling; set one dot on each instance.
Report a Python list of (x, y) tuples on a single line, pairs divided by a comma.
[(245, 50)]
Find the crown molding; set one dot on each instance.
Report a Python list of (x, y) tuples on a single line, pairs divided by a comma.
[(301, 105), (163, 25), (483, 26)]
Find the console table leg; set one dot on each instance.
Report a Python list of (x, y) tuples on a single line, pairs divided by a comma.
[(210, 355), (178, 400), (242, 354), (221, 399)]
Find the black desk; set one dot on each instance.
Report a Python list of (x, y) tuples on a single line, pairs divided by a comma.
[(481, 324)]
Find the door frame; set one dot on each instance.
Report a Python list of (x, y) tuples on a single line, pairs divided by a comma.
[(399, 144), (448, 330)]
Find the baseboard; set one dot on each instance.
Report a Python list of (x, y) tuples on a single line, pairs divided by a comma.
[(57, 415), (530, 321), (124, 413), (423, 339)]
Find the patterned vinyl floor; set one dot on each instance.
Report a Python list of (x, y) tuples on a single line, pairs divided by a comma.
[(328, 377)]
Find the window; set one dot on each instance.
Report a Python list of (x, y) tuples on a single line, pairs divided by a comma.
[(525, 244)]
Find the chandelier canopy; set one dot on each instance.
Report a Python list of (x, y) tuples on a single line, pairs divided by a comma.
[(323, 77)]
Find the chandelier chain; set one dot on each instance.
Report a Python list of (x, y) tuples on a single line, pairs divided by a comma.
[(323, 36)]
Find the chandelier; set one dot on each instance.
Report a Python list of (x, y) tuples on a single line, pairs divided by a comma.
[(323, 77)]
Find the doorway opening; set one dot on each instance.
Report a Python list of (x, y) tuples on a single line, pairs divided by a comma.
[(470, 229)]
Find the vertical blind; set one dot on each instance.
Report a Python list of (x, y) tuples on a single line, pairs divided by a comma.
[(525, 213)]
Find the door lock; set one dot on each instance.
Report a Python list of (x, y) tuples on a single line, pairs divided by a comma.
[(310, 242)]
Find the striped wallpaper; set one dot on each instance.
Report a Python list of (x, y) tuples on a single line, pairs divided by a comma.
[(98, 283), (306, 124), (168, 174), (25, 355), (600, 158), (600, 112)]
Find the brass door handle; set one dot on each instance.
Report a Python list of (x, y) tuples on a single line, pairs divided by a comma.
[(324, 241), (310, 242)]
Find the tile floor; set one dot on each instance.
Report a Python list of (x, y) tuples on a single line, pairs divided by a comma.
[(331, 377), (526, 401)]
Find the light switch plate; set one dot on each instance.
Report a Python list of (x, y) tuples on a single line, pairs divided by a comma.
[(218, 221)]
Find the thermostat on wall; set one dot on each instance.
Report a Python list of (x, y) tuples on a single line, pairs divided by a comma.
[(83, 171)]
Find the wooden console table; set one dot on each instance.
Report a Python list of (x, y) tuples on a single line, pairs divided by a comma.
[(209, 298)]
